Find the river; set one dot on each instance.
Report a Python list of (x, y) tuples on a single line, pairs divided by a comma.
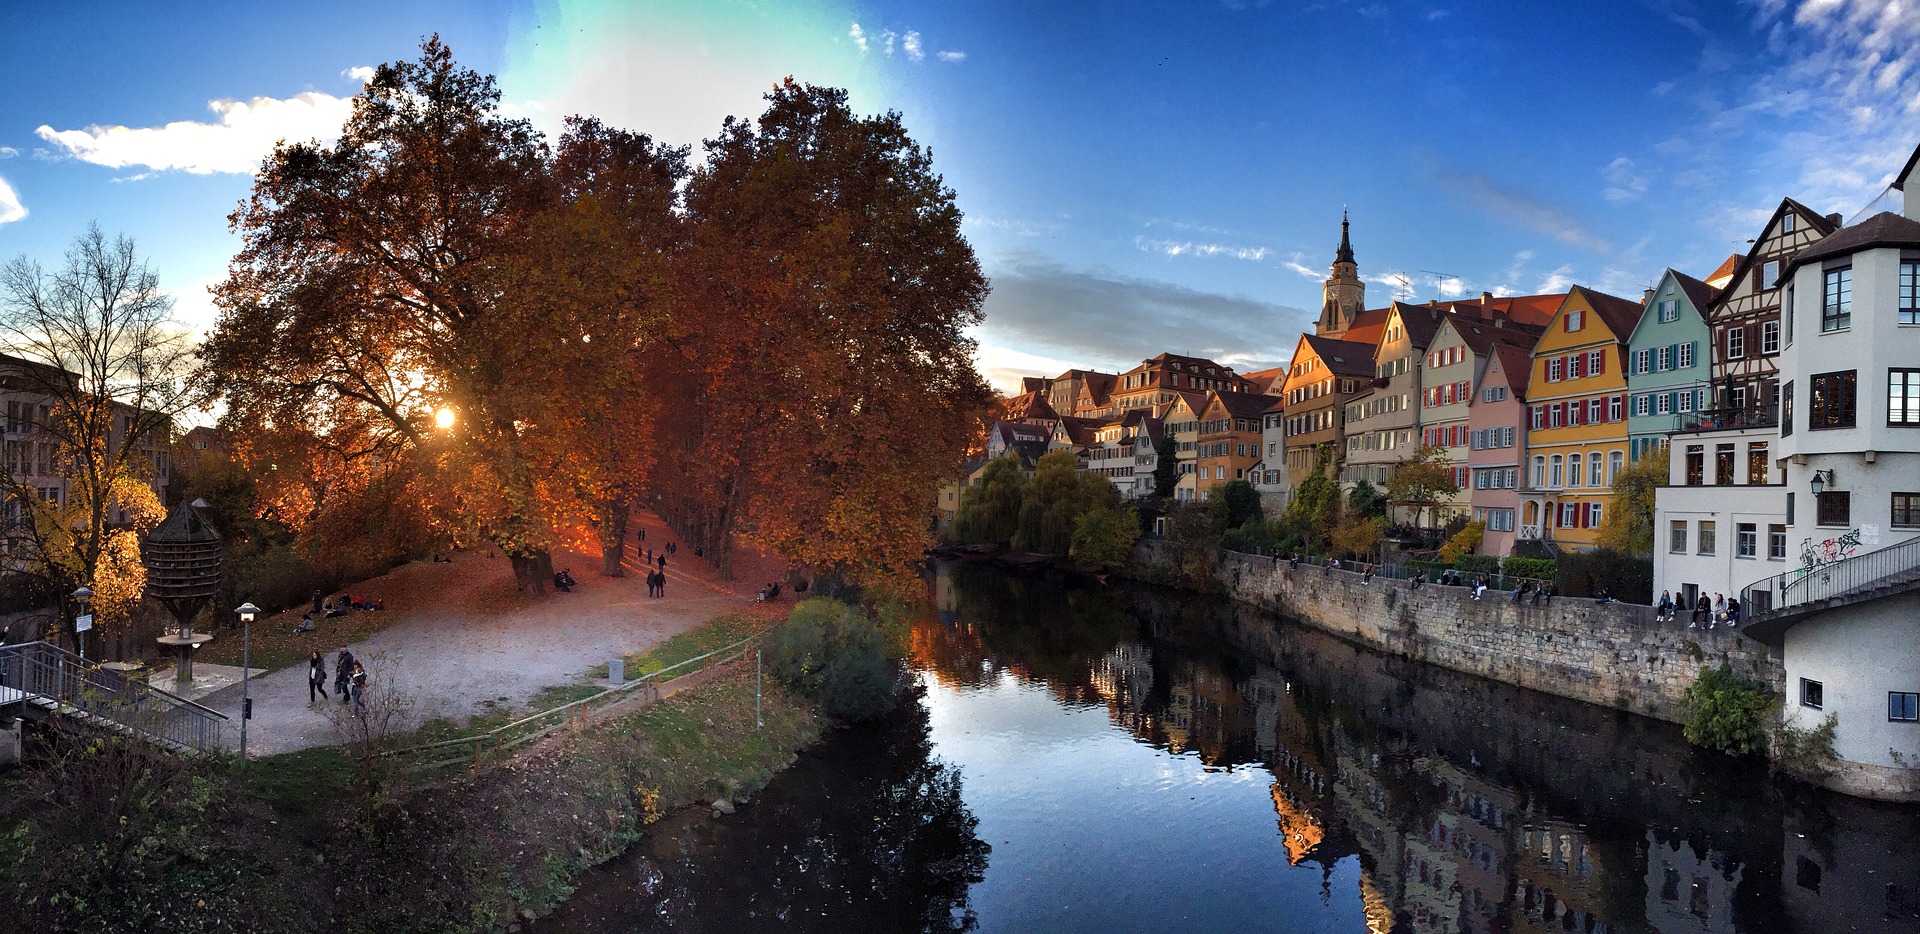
[(1076, 758)]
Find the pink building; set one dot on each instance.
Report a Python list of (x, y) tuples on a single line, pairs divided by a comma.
[(1497, 433)]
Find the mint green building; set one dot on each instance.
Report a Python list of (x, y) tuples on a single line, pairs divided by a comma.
[(1669, 365)]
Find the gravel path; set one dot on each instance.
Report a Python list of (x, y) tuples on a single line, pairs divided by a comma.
[(474, 642)]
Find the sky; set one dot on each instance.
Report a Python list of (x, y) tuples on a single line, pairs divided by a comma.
[(1136, 177)]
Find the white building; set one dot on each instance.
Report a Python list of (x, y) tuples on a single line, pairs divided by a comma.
[(1719, 523), (1845, 610)]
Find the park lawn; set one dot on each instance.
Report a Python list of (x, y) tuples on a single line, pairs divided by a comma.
[(305, 788), (497, 716), (716, 633), (276, 646)]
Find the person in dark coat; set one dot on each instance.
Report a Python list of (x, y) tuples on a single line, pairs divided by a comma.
[(359, 685), (316, 678), (342, 673)]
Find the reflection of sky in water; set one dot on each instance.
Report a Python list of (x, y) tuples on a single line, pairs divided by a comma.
[(1094, 830)]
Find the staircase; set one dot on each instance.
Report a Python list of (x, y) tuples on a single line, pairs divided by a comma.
[(39, 680), (1777, 601)]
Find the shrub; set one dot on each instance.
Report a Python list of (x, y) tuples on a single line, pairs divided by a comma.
[(1477, 564), (1541, 568), (839, 656), (1727, 713), (1104, 536), (1627, 577), (1463, 542)]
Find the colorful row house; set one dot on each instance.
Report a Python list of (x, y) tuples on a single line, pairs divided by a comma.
[(1577, 424)]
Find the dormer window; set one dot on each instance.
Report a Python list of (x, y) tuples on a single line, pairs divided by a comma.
[(1575, 320)]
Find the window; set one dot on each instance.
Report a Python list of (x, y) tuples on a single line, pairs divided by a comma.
[(1836, 306), (1903, 396), (1769, 338), (1573, 470), (1903, 705), (1757, 463), (1554, 370), (1906, 511), (1677, 536), (1593, 514), (1786, 410), (1662, 359), (1812, 694), (1723, 465), (1776, 543), (1669, 310), (1736, 342), (1642, 361), (1594, 468), (1493, 394), (1614, 405), (1786, 310), (1683, 401), (1642, 404), (1575, 367), (1554, 472), (1662, 403), (1616, 461), (1574, 320), (1769, 274), (1594, 409), (1746, 540), (1909, 291), (1596, 362), (1833, 507), (1539, 473), (1683, 355), (1706, 536), (1832, 402), (1696, 464)]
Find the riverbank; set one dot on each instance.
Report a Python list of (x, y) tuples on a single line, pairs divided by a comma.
[(312, 842), (1611, 654)]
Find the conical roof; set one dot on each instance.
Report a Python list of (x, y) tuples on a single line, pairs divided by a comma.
[(184, 525)]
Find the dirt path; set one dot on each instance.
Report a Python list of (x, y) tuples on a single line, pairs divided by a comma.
[(466, 640)]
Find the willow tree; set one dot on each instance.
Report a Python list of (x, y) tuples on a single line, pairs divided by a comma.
[(827, 383), (96, 377), (371, 295)]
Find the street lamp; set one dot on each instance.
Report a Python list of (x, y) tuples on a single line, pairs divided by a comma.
[(1820, 480), (82, 621), (247, 612)]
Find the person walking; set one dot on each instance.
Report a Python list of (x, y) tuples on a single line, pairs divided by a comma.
[(663, 565), (660, 582), (316, 678), (342, 673), (359, 684)]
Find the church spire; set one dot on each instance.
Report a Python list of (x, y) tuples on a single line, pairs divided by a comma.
[(1345, 253), (1344, 294)]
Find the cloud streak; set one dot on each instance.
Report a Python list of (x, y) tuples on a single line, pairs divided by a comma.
[(1110, 321), (1522, 210), (1190, 248), (10, 207), (244, 133)]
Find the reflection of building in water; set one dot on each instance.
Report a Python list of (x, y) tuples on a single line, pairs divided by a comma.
[(1859, 865), (1686, 891), (1472, 836), (1124, 680), (1555, 876)]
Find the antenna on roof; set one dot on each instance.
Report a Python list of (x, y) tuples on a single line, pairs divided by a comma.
[(1442, 276)]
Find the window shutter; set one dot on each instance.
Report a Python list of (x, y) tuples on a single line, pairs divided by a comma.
[(1599, 363)]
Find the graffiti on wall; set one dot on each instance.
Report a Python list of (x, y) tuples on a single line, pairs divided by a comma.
[(1839, 548)]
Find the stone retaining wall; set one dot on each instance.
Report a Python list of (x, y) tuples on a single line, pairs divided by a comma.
[(1614, 654)]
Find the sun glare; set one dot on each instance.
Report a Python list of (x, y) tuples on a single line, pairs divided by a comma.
[(443, 418)]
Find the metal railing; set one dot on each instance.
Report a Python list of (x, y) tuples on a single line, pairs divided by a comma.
[(1890, 566), (60, 682), (1752, 416), (492, 745)]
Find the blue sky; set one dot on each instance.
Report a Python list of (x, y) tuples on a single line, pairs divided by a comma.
[(1137, 177)]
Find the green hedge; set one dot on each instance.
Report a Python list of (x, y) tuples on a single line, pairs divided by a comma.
[(1542, 568)]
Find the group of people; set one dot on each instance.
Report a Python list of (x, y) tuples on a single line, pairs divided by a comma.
[(329, 608), (563, 580), (1718, 611), (349, 679), (657, 580)]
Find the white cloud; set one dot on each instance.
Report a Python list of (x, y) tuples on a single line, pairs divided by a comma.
[(1523, 210), (1301, 269), (359, 75), (1399, 285), (10, 208), (859, 37), (1190, 248), (910, 43), (886, 41), (952, 56), (1623, 183), (8, 152), (1559, 280), (245, 133)]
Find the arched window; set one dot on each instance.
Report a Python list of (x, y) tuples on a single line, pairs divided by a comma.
[(1573, 470), (1554, 472), (1615, 462), (1539, 472), (1593, 470)]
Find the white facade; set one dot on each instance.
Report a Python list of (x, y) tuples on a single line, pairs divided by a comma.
[(1856, 664), (1720, 523)]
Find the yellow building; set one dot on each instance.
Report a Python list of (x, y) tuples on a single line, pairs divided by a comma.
[(1577, 410)]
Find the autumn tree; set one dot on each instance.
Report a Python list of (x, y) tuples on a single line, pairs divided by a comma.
[(989, 512), (1057, 498), (373, 292), (827, 382), (1627, 525), (1315, 510), (97, 377), (1422, 481)]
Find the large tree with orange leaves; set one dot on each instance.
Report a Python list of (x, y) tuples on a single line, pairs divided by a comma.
[(824, 381), (373, 291)]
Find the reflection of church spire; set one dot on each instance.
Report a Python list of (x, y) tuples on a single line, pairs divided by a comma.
[(1344, 294)]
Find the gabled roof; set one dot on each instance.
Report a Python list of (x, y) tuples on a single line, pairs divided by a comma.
[(1264, 380), (1366, 327), (1516, 367), (1699, 293), (1885, 229), (1899, 181), (1619, 315), (1482, 335), (1242, 404), (1342, 357), (1030, 405), (1034, 384), (1814, 219), (1097, 386), (1421, 322), (1080, 430), (1724, 274)]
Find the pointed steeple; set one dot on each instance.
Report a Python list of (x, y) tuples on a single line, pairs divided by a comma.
[(1345, 253), (1343, 295)]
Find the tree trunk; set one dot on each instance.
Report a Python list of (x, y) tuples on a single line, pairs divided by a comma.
[(532, 570), (613, 538)]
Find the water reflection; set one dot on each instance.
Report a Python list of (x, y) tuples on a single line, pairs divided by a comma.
[(1466, 805)]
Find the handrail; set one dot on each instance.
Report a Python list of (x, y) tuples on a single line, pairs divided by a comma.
[(70, 684), (565, 711), (1804, 585)]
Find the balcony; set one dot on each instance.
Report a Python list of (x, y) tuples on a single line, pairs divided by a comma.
[(1752, 416)]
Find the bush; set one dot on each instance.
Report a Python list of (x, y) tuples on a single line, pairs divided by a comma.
[(1541, 568), (1478, 564), (1627, 577), (1728, 713), (1463, 542), (839, 656)]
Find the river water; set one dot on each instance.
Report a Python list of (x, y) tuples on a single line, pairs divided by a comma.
[(1077, 758)]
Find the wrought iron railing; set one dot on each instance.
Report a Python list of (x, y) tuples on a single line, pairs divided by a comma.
[(1752, 416), (55, 680), (1890, 566)]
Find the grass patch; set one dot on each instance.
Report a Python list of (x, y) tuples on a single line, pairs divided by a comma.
[(497, 716), (716, 633), (304, 787), (704, 741), (275, 646)]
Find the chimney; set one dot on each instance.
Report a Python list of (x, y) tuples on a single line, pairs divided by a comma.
[(1835, 219), (1646, 297)]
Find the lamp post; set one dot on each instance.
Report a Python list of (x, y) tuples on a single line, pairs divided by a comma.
[(247, 612), (81, 620)]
